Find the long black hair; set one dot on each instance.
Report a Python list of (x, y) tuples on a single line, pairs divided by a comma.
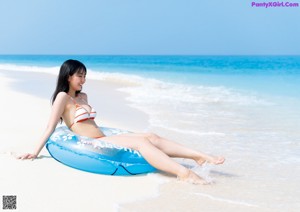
[(67, 69)]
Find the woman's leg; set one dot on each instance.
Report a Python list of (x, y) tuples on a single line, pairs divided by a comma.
[(174, 149), (155, 156)]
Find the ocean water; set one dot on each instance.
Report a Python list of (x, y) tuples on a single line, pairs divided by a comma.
[(243, 107)]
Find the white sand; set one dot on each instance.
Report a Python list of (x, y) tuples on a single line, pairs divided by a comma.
[(44, 184)]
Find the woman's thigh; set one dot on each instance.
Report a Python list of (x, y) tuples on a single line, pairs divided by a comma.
[(138, 134), (125, 140)]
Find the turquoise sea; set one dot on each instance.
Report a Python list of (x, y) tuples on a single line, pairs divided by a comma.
[(243, 107), (278, 75)]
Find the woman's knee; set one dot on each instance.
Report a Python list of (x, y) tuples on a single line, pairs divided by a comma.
[(152, 137), (143, 143)]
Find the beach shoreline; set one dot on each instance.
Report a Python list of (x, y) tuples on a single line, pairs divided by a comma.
[(259, 139)]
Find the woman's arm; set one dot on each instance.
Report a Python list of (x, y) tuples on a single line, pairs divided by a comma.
[(58, 108)]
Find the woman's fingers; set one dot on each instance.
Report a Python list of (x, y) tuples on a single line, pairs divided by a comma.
[(22, 156), (27, 156)]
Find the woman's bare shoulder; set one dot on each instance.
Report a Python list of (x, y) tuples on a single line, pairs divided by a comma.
[(62, 97)]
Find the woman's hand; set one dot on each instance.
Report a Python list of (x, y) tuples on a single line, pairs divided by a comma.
[(27, 156)]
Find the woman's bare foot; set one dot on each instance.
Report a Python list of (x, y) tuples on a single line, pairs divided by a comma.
[(216, 160), (193, 178)]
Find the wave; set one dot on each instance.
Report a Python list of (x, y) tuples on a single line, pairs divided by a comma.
[(23, 68), (106, 75), (173, 106)]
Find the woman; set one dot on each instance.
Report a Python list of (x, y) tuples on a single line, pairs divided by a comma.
[(71, 105)]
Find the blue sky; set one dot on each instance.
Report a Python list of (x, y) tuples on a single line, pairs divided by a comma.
[(203, 27)]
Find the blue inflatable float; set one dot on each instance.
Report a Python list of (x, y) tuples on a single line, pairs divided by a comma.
[(94, 155)]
